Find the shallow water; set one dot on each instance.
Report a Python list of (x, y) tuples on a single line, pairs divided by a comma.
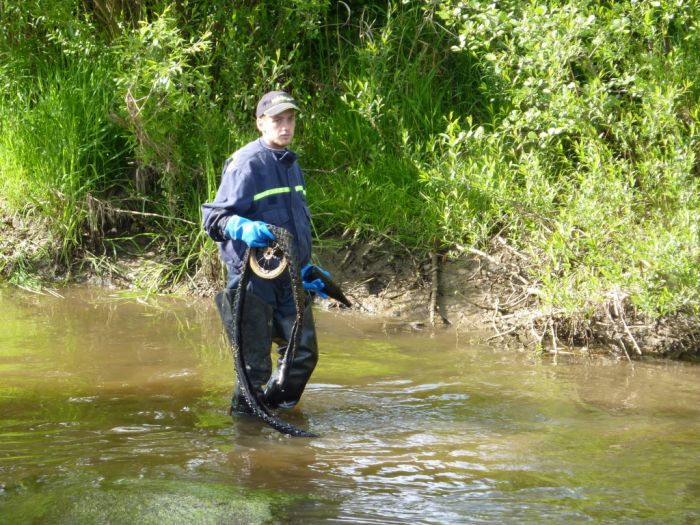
[(112, 410)]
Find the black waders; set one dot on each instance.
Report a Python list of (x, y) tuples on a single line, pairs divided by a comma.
[(287, 394), (258, 331)]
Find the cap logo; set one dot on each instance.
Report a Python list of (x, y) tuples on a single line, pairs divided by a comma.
[(280, 99)]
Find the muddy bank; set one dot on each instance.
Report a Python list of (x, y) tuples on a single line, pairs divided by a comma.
[(486, 294)]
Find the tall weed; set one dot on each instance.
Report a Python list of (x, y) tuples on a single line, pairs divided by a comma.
[(60, 148)]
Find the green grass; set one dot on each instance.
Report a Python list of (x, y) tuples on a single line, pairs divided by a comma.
[(60, 149)]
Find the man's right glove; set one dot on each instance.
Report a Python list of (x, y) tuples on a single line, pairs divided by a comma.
[(314, 283), (255, 234)]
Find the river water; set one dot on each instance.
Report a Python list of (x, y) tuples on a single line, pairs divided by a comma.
[(113, 410)]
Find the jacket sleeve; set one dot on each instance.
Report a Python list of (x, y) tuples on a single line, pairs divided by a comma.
[(234, 197)]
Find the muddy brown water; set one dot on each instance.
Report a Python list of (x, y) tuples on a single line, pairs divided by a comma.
[(112, 410)]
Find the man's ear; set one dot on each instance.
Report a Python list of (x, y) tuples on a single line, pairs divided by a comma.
[(259, 121)]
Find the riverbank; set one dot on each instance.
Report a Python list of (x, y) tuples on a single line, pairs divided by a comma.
[(490, 294), (485, 294)]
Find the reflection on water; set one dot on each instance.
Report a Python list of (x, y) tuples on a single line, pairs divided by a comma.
[(112, 409)]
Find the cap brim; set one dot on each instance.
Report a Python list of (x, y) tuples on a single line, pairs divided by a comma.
[(279, 108)]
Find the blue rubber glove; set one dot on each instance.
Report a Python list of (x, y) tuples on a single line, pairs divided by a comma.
[(314, 285), (255, 234)]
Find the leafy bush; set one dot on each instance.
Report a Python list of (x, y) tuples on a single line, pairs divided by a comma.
[(594, 153)]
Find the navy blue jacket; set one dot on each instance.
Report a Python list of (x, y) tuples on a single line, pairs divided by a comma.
[(260, 184)]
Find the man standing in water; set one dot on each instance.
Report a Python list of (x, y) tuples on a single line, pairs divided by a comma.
[(262, 184)]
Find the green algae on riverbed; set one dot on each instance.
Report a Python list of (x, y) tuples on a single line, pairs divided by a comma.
[(142, 502)]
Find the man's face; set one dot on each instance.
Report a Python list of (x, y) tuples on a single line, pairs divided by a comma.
[(278, 130)]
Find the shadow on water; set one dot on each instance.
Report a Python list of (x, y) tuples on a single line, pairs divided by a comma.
[(113, 410)]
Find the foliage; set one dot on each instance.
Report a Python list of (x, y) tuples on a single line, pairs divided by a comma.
[(393, 87), (161, 89), (59, 147), (594, 141), (569, 127)]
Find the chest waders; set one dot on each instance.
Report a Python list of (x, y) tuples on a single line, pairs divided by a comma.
[(230, 303)]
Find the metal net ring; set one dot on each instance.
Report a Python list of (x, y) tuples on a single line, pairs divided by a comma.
[(268, 262)]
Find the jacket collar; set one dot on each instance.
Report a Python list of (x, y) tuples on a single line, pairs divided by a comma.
[(284, 156)]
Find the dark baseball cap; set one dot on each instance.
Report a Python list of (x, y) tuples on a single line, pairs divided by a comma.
[(274, 103)]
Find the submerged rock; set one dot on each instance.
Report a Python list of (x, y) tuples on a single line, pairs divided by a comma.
[(140, 502)]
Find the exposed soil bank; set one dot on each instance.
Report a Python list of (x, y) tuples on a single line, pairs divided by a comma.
[(489, 294), (486, 295)]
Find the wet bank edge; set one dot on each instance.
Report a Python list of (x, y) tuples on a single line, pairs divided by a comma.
[(486, 294)]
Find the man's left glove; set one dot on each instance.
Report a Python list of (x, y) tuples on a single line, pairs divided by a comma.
[(311, 284)]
